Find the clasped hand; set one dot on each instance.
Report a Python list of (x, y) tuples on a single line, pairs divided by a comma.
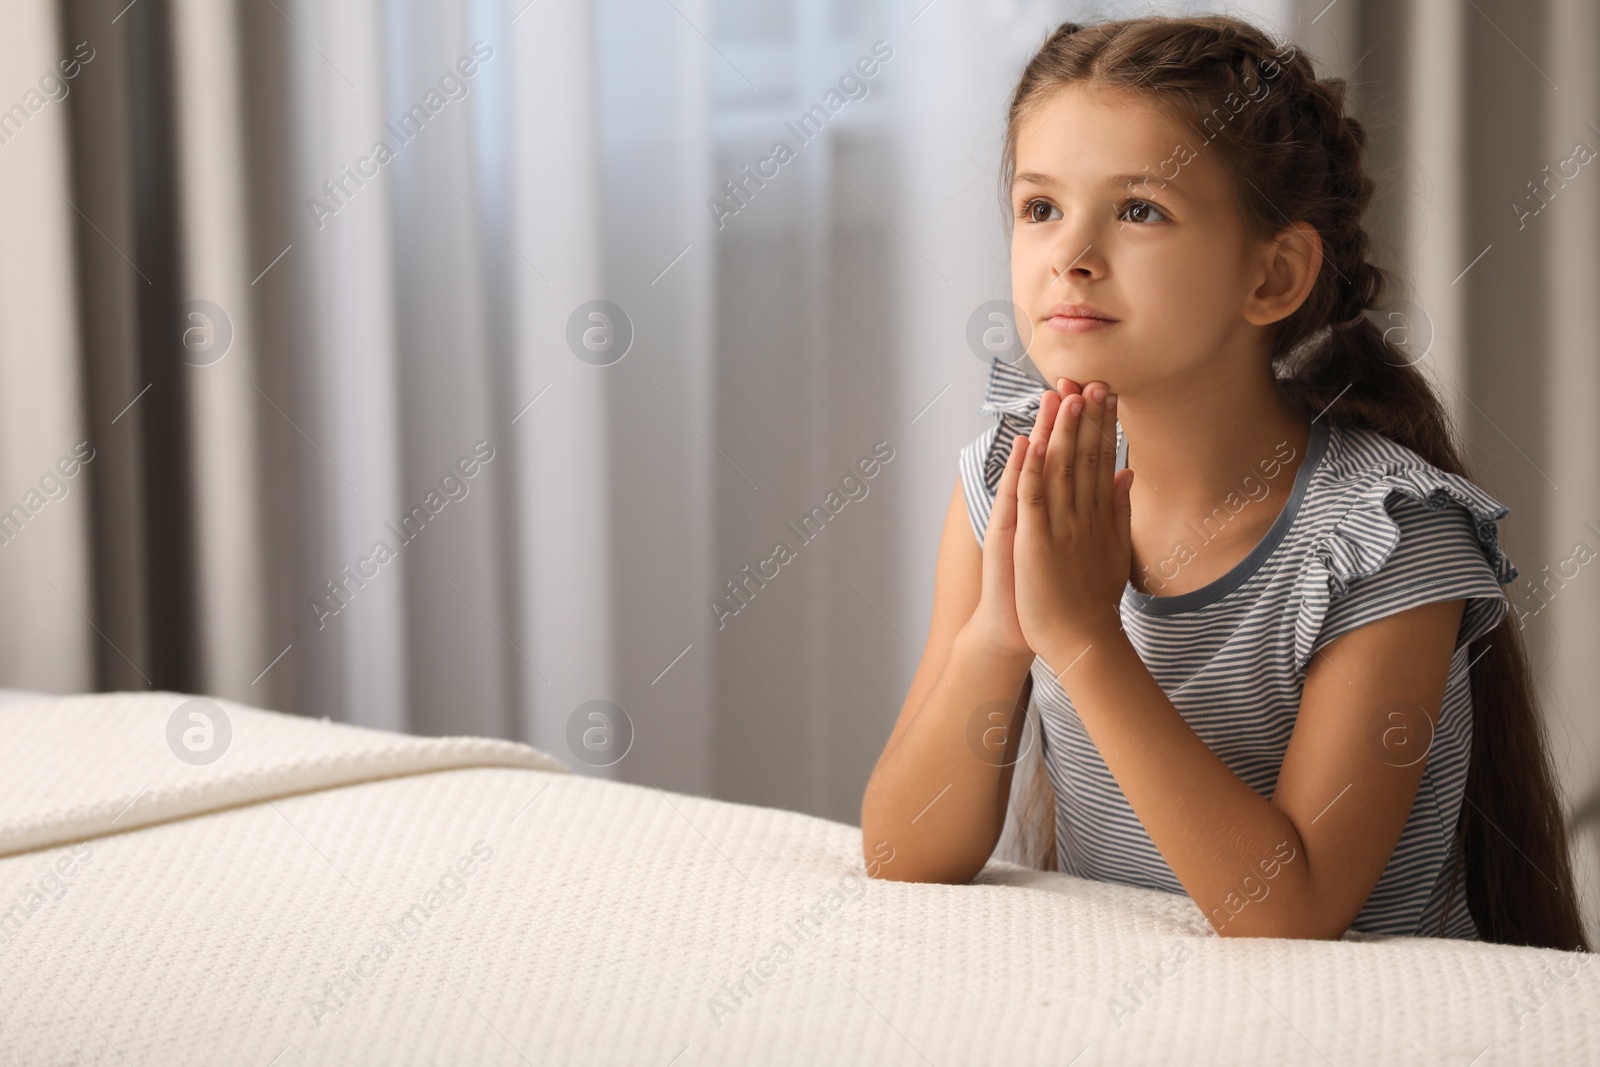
[(1072, 547)]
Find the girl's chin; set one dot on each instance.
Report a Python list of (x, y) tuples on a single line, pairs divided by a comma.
[(1081, 371)]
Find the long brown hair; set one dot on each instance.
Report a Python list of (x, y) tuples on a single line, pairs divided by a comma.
[(1283, 133)]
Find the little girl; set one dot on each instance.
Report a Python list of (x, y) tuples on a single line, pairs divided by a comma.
[(1226, 547)]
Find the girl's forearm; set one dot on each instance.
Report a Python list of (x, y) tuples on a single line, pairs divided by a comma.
[(1237, 854), (938, 794)]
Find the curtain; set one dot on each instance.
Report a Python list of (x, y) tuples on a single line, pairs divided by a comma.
[(276, 276)]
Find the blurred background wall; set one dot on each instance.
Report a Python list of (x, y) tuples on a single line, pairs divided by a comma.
[(273, 340)]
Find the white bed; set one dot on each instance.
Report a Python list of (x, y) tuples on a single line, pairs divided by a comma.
[(210, 909)]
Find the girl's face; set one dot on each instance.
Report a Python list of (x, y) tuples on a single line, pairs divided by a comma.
[(1118, 207)]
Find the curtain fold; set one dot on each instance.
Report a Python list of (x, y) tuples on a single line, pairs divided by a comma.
[(344, 408), (554, 414), (217, 348), (46, 632)]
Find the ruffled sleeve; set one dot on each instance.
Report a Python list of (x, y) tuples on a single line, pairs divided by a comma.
[(1412, 534)]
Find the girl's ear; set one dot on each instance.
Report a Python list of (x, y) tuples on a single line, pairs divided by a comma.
[(1289, 266)]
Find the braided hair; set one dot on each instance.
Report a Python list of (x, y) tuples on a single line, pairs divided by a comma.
[(1292, 152)]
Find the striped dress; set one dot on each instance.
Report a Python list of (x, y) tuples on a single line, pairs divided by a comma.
[(1368, 528)]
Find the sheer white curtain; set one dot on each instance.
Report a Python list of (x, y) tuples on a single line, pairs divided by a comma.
[(444, 296), (350, 667), (441, 296)]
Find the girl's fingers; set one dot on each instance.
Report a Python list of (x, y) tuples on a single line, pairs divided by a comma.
[(1122, 497), (1045, 418), (1059, 470), (1066, 387), (1105, 488), (1004, 514), (1030, 488), (1088, 441)]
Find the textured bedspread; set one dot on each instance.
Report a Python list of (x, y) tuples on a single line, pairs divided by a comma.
[(322, 894)]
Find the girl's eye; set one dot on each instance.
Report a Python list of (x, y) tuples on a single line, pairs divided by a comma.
[(1132, 205), (1030, 210)]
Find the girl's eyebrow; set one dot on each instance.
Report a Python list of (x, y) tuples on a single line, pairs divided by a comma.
[(1123, 181)]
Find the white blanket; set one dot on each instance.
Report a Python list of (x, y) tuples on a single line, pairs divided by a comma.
[(322, 894)]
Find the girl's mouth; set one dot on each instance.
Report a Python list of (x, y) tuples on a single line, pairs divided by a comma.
[(1077, 323), (1077, 317)]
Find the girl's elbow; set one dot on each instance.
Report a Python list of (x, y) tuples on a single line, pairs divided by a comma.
[(886, 863), (1282, 915), (1299, 931), (910, 872), (1307, 924)]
